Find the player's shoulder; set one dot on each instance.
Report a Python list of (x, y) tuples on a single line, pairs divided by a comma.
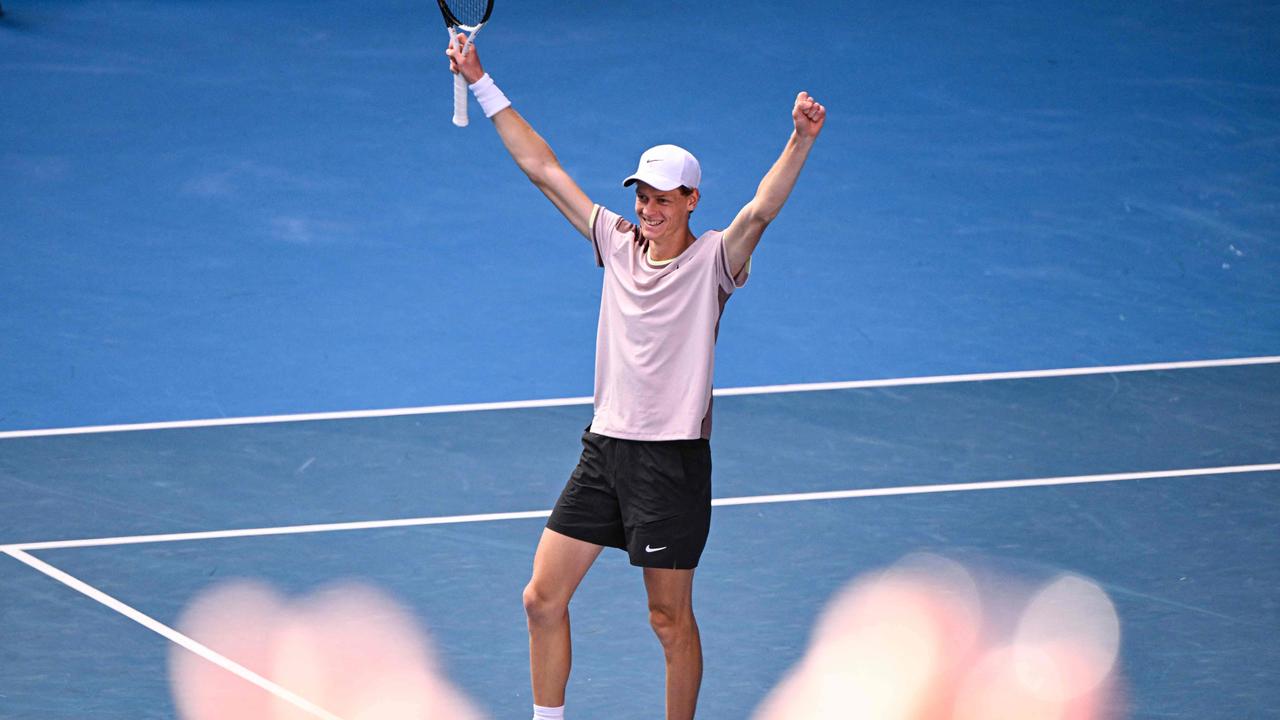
[(624, 225), (604, 219), (711, 238)]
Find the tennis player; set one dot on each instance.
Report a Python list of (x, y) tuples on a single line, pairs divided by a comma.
[(643, 483)]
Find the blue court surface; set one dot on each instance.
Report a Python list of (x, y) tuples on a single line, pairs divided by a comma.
[(266, 313)]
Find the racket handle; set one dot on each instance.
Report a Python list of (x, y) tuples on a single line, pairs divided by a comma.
[(459, 101)]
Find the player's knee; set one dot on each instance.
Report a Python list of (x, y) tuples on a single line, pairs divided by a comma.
[(672, 625), (542, 608)]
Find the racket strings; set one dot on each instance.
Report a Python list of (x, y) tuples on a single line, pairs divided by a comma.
[(469, 12)]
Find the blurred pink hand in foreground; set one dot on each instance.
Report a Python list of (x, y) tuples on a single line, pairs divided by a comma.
[(915, 643), (348, 649)]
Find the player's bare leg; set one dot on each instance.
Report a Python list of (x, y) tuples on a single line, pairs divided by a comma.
[(671, 615), (558, 567)]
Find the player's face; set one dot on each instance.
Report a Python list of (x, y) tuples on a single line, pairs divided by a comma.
[(663, 213)]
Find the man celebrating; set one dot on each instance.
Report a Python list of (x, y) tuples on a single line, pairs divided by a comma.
[(643, 483)]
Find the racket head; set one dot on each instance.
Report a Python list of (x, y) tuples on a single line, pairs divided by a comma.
[(466, 14)]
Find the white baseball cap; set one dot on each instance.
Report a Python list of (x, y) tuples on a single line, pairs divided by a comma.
[(667, 167)]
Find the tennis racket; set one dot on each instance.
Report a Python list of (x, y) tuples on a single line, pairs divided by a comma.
[(468, 15)]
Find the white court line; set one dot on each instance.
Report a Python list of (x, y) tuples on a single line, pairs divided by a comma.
[(996, 484), (180, 639), (561, 402), (721, 502), (284, 530), (18, 552)]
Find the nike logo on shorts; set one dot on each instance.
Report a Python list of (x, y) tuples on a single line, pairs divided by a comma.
[(654, 549)]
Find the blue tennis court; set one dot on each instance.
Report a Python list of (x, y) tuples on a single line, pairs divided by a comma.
[(268, 314)]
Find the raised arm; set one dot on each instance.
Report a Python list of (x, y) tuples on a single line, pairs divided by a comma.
[(743, 234), (527, 148)]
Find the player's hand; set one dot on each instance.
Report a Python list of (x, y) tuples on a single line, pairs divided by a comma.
[(809, 115), (464, 59)]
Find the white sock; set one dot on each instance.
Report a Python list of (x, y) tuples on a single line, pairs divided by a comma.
[(548, 713)]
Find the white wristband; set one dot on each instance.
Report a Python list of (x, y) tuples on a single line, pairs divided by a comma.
[(491, 99)]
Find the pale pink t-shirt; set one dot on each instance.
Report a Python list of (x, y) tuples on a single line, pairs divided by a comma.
[(656, 342)]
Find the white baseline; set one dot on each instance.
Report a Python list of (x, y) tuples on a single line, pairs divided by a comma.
[(19, 552), (173, 635), (720, 502), (725, 392)]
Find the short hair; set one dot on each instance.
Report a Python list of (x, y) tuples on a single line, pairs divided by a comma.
[(686, 191)]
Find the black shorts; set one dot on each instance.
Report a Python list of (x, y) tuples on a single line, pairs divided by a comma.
[(652, 499)]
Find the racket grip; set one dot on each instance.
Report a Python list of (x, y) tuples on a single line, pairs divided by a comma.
[(459, 100)]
